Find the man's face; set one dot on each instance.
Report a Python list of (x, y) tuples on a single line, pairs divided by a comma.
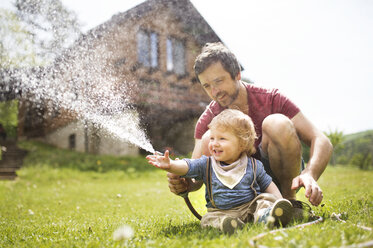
[(219, 84)]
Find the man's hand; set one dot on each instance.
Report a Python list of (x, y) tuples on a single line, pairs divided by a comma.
[(176, 184), (313, 190)]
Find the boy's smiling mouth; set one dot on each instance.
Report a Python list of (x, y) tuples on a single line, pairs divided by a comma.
[(217, 152)]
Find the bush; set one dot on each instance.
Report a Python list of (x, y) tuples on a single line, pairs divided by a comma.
[(9, 117), (362, 161), (43, 154)]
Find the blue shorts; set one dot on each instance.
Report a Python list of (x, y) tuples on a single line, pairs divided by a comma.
[(265, 161)]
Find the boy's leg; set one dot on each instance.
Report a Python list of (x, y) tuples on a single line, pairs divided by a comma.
[(260, 204), (227, 220), (271, 210), (224, 220), (212, 218), (215, 217)]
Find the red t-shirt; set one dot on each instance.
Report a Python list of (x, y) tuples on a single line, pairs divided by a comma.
[(262, 102)]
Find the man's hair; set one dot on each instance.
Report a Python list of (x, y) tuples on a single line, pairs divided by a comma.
[(240, 125), (216, 52)]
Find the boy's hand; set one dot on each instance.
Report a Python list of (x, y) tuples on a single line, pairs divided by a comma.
[(162, 162)]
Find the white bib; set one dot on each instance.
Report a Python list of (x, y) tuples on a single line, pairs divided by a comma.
[(232, 174)]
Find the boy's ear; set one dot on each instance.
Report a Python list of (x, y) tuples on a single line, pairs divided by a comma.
[(242, 146)]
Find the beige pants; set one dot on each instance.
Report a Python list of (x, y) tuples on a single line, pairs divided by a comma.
[(248, 212)]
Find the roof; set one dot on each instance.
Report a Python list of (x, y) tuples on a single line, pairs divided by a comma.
[(184, 10)]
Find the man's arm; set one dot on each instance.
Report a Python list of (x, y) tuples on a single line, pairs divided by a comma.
[(320, 153)]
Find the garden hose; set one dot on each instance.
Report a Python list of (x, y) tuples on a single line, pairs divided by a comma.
[(185, 197), (334, 216), (253, 241), (189, 204)]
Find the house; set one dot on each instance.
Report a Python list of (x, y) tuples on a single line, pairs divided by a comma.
[(150, 50)]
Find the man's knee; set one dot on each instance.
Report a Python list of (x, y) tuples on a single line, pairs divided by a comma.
[(279, 127)]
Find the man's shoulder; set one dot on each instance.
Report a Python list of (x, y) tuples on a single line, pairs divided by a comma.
[(256, 89), (214, 108)]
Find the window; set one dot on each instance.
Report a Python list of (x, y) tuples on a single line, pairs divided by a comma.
[(72, 141), (147, 48), (175, 56), (153, 50)]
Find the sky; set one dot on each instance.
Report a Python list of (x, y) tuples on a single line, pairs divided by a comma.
[(319, 53)]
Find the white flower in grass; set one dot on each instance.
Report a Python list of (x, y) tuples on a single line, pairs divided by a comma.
[(30, 212), (119, 195), (277, 238), (123, 232), (270, 219)]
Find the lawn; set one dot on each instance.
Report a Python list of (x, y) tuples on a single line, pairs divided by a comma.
[(67, 199)]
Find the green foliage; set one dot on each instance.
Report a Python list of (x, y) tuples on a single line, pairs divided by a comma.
[(353, 149), (62, 206), (9, 117), (45, 155), (16, 43), (357, 150), (305, 152), (53, 26), (336, 138), (363, 161)]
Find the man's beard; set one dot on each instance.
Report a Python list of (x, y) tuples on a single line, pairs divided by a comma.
[(232, 98)]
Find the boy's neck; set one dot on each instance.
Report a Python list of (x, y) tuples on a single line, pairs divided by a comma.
[(225, 163)]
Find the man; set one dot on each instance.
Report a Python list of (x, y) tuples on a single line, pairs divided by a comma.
[(279, 124)]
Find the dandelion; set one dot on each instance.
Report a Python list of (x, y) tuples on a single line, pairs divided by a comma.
[(277, 238), (270, 220), (123, 232)]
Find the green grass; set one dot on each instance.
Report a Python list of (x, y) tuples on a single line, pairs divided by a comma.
[(56, 204)]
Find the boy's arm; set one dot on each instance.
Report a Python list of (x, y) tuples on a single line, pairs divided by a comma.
[(178, 167), (179, 185), (272, 189)]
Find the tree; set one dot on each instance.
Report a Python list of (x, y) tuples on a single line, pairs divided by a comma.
[(357, 149), (363, 157), (8, 117), (52, 25), (16, 43), (16, 50), (336, 138), (34, 35)]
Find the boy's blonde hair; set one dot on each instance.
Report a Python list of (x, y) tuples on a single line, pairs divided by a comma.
[(240, 124)]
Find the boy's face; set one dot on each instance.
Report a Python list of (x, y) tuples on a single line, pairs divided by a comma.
[(224, 145)]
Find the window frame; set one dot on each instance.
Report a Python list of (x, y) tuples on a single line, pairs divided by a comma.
[(149, 58), (173, 59)]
